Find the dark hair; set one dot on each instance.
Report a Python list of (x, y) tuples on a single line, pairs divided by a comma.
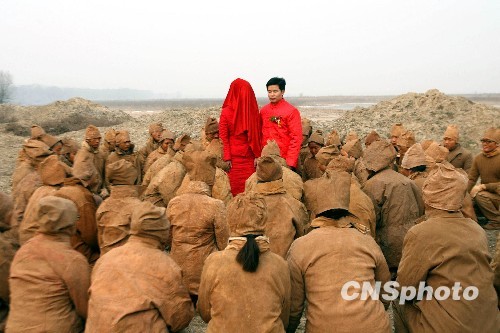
[(249, 254), (334, 214), (420, 168), (279, 81)]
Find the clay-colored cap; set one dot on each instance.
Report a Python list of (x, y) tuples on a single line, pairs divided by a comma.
[(451, 132), (36, 149), (379, 155), (55, 214), (317, 137), (268, 169), (445, 187), (426, 143), (200, 166), (211, 125), (155, 127), (436, 152), (110, 135), (271, 149), (406, 139), (333, 139), (353, 148), (52, 171), (323, 194), (92, 132), (49, 140), (149, 221), (166, 134), (492, 134), (414, 157), (306, 127), (183, 139), (371, 137), (341, 163), (36, 131), (351, 136), (69, 146), (121, 172), (246, 214), (122, 136), (325, 154), (397, 129)]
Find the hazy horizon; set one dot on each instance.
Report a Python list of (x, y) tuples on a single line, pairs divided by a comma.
[(195, 49)]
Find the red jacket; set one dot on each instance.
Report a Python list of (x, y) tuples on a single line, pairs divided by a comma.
[(281, 122)]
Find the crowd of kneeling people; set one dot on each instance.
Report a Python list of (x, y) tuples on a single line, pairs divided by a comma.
[(103, 238)]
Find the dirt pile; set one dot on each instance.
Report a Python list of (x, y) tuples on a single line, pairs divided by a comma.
[(61, 116), (427, 115)]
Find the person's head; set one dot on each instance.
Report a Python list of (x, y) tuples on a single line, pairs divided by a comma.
[(490, 140), (167, 139), (52, 142), (109, 139), (200, 166), (69, 149), (435, 154), (371, 137), (181, 142), (268, 169), (396, 131), (405, 141), (150, 222), (56, 216), (450, 137), (445, 188), (353, 148), (414, 160), (122, 140), (379, 155), (121, 172), (211, 129), (306, 130), (333, 139), (93, 136), (336, 203), (275, 89), (155, 131), (246, 216), (316, 142), (53, 172), (340, 163), (36, 132), (37, 151)]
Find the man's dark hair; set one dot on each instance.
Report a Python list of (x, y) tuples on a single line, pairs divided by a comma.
[(279, 81)]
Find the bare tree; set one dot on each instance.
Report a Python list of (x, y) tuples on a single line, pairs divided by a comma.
[(5, 85)]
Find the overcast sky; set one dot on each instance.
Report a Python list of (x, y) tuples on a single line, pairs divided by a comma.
[(196, 48)]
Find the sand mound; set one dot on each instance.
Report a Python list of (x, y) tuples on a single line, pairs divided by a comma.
[(71, 114), (427, 115)]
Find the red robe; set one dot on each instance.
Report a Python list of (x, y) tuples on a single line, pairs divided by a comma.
[(240, 132), (281, 122)]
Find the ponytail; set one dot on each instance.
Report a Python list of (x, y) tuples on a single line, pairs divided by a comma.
[(248, 256)]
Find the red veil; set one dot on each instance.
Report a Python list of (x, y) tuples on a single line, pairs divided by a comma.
[(241, 99)]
